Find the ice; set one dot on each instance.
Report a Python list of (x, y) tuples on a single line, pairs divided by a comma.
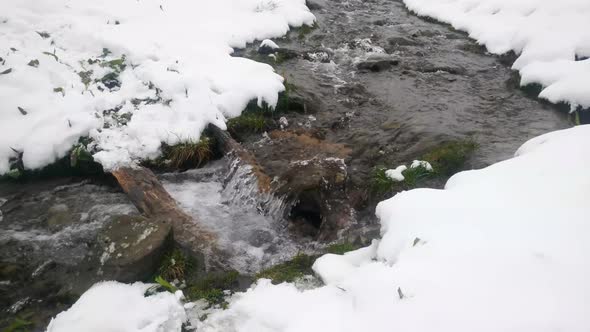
[(503, 248), (170, 66), (551, 39)]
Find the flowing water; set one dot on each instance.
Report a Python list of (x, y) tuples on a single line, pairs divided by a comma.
[(224, 197)]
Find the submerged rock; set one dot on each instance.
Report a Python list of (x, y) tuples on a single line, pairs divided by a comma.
[(377, 63)]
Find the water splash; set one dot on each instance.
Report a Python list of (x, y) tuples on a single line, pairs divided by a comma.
[(250, 225)]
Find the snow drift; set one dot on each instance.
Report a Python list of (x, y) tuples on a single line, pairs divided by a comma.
[(552, 39), (112, 307), (129, 74)]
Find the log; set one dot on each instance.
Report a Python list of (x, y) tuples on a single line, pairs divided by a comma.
[(227, 145), (149, 196)]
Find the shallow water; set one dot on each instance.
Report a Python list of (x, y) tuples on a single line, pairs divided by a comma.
[(444, 87), (223, 196)]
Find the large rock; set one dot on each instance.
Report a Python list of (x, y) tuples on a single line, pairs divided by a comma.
[(132, 247)]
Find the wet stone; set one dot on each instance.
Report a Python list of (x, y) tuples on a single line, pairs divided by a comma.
[(376, 64), (132, 247)]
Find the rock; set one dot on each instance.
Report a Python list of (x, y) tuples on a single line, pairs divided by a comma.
[(287, 54), (155, 203), (380, 22), (313, 5), (283, 122), (132, 247), (317, 188), (59, 217), (376, 64), (402, 41)]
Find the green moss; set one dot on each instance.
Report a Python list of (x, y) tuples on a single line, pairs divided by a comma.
[(341, 248), (450, 157), (18, 325), (175, 265), (288, 271), (189, 154), (257, 119), (248, 122), (305, 30), (214, 287), (381, 184), (414, 176), (78, 162)]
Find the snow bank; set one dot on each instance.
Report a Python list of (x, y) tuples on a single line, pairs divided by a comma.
[(547, 35), (500, 249), (129, 74), (115, 307)]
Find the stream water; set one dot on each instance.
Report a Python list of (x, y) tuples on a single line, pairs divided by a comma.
[(437, 85)]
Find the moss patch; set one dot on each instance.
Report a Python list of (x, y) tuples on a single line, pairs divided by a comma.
[(175, 265), (78, 162), (189, 154), (248, 122), (18, 324), (341, 248), (214, 288), (288, 271), (304, 30), (450, 157)]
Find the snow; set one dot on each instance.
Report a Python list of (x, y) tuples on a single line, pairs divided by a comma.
[(116, 307), (503, 248), (421, 163), (547, 35), (178, 73), (269, 43), (396, 174)]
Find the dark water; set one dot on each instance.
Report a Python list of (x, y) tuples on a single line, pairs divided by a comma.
[(444, 87)]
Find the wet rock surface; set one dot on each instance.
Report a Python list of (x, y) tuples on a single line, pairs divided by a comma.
[(58, 237)]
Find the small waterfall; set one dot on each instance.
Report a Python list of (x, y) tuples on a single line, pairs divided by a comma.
[(224, 196)]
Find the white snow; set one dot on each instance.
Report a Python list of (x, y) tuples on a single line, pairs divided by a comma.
[(503, 248), (421, 163), (270, 44), (546, 34), (177, 60), (396, 174), (115, 307)]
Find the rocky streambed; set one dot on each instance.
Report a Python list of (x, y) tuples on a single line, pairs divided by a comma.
[(371, 86)]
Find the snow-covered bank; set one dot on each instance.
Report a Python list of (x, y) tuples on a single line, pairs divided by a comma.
[(129, 74), (500, 249), (503, 248), (552, 39)]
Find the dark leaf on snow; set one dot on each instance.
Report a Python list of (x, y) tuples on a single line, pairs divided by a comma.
[(44, 34), (22, 110)]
